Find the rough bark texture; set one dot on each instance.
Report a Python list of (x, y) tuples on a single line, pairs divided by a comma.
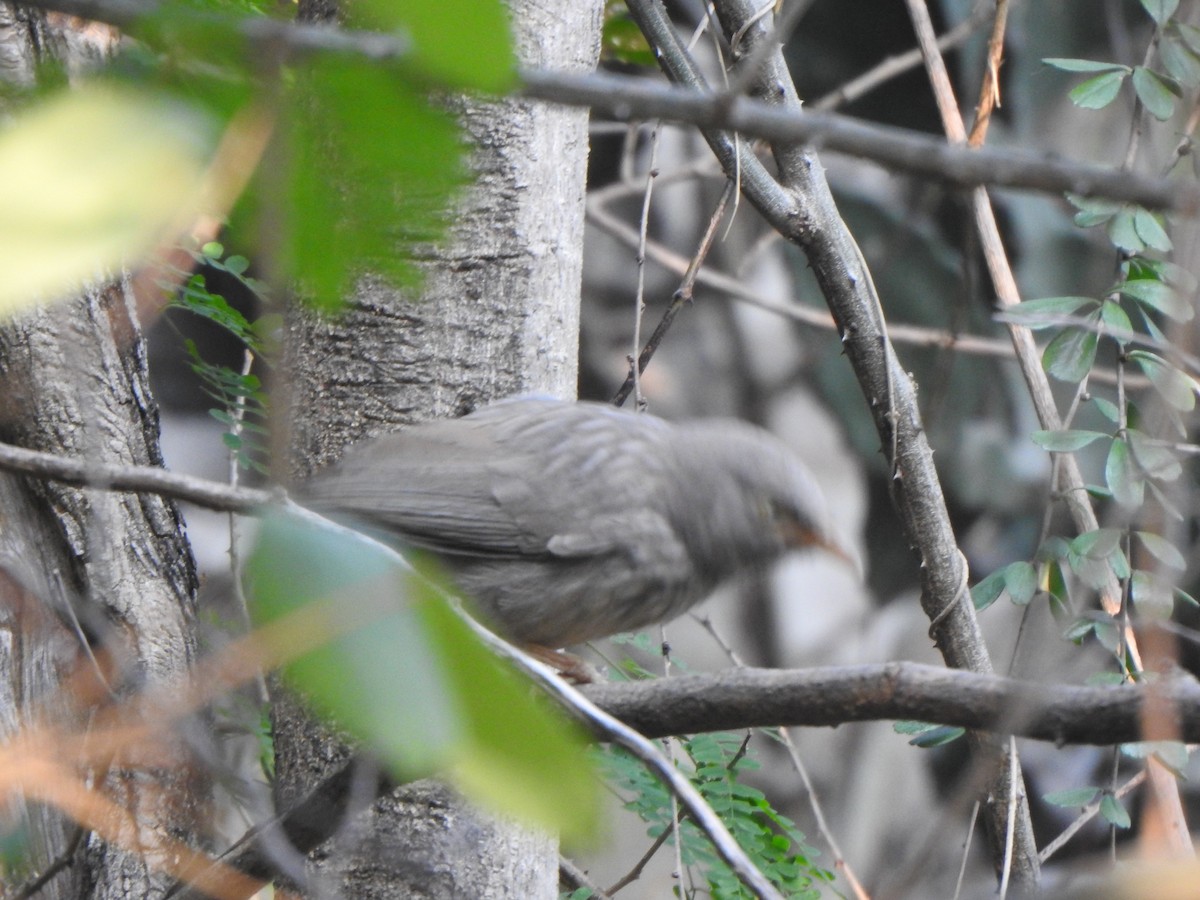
[(74, 381), (116, 567), (498, 315)]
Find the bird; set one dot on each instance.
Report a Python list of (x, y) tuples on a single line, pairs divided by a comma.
[(568, 521)]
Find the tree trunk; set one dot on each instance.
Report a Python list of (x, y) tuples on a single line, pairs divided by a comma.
[(498, 315), (114, 569)]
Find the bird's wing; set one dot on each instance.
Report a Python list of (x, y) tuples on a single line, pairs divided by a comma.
[(516, 479)]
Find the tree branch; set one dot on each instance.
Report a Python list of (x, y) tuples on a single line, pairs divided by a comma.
[(625, 98), (835, 695), (135, 479)]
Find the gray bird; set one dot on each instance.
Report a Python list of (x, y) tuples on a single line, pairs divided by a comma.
[(566, 522)]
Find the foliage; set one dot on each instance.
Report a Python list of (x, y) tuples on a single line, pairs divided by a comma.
[(240, 398), (357, 167), (376, 648)]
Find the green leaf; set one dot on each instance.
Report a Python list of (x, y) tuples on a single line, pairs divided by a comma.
[(1190, 35), (1093, 210), (1098, 92), (93, 179), (378, 650), (1162, 550), (1122, 476), (1114, 812), (1160, 10), (1083, 65), (1070, 355), (1020, 580), (1157, 458), (938, 736), (1045, 311), (1151, 230), (463, 44), (1172, 754), (1099, 543), (1072, 798), (1106, 408), (1159, 296), (1180, 62), (987, 591), (1155, 92), (1065, 441), (623, 41), (1123, 232), (1151, 594), (1178, 389), (1115, 320), (373, 172)]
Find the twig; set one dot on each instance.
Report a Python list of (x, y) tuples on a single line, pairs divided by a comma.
[(616, 731), (1089, 813), (574, 877), (989, 91), (839, 858), (895, 66), (137, 479), (682, 296)]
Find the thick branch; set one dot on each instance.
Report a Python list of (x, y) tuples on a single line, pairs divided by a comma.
[(760, 698)]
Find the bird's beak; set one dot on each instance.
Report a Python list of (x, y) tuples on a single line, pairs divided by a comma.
[(800, 537)]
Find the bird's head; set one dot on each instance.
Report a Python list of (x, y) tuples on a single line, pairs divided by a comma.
[(760, 501)]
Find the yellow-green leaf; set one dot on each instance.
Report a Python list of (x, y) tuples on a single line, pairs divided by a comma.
[(91, 180)]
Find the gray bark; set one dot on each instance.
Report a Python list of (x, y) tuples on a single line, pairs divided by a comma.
[(115, 567), (498, 315)]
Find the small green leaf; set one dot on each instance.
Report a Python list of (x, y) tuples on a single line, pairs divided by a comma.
[(1190, 35), (1180, 62), (1151, 594), (1072, 798), (1115, 319), (1020, 580), (1172, 754), (1106, 408), (1151, 231), (1083, 65), (1155, 92), (1099, 543), (1157, 458), (1178, 389), (937, 737), (1065, 441), (987, 591), (1098, 92), (1123, 232), (1160, 10), (1045, 311), (1162, 550), (1158, 296), (1093, 210), (1122, 475), (1070, 355), (1114, 812)]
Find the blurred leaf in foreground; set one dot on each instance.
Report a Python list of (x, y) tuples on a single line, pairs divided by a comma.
[(91, 180), (383, 656)]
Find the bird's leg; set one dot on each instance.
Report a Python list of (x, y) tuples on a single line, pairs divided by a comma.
[(568, 665)]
